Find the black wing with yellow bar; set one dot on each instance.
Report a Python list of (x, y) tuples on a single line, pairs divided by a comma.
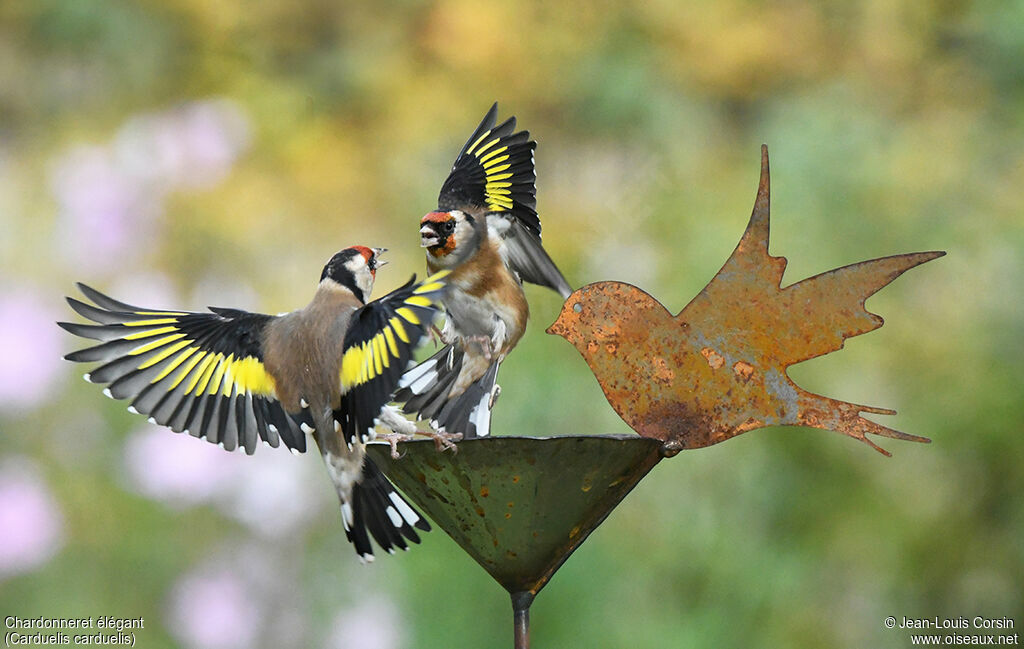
[(378, 349), (495, 171), (200, 373)]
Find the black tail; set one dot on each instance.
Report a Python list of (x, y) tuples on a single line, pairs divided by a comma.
[(379, 510), (424, 391)]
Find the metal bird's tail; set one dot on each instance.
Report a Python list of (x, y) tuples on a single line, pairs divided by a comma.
[(379, 510), (425, 391)]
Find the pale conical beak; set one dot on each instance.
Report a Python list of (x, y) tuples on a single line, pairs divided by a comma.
[(378, 262), (428, 237)]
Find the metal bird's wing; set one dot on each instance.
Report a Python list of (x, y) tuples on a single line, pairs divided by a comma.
[(379, 346), (200, 373), (720, 367)]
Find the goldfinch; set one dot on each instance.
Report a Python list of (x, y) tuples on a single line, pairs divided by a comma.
[(234, 377), (487, 233)]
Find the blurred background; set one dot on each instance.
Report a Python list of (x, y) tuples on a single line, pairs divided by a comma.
[(182, 153)]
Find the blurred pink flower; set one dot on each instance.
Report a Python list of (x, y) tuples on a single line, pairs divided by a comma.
[(110, 196), (274, 493), (373, 623), (103, 215), (271, 492), (194, 145), (31, 525), (215, 610), (32, 349), (177, 469), (214, 134)]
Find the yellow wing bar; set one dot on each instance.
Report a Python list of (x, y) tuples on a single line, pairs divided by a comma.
[(364, 361)]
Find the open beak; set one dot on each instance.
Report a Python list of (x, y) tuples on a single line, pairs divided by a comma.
[(428, 236), (377, 261)]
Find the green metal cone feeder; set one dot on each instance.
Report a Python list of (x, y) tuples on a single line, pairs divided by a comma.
[(520, 505)]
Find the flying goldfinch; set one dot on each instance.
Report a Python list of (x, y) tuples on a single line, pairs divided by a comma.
[(234, 377)]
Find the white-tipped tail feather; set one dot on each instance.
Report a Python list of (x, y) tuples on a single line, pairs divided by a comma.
[(427, 393), (371, 508)]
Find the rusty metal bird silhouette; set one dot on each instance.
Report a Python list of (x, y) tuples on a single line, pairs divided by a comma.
[(718, 368)]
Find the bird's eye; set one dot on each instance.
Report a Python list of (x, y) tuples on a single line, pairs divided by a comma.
[(448, 227), (372, 264)]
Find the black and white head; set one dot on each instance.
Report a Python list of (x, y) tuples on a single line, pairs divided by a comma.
[(449, 237), (355, 268)]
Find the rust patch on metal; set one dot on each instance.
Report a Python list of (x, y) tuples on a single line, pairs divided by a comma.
[(743, 318), (743, 370), (715, 360)]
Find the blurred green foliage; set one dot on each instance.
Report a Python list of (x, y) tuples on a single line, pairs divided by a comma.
[(893, 126)]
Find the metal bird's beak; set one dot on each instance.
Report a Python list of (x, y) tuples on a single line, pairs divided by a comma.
[(567, 323), (557, 328)]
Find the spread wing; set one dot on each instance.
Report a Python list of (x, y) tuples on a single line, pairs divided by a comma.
[(379, 346), (494, 171), (200, 373)]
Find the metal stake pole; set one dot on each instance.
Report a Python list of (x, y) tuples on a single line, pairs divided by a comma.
[(521, 619)]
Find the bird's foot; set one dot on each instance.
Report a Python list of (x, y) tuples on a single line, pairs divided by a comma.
[(393, 439), (444, 441), (484, 343), (437, 335)]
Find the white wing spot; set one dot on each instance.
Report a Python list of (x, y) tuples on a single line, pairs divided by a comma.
[(413, 378), (346, 516), (420, 385), (403, 507), (396, 518), (481, 416)]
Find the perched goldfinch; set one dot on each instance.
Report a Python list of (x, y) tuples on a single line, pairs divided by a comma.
[(234, 377), (487, 233)]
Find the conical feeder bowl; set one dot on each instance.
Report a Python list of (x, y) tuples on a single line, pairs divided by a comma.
[(520, 505)]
